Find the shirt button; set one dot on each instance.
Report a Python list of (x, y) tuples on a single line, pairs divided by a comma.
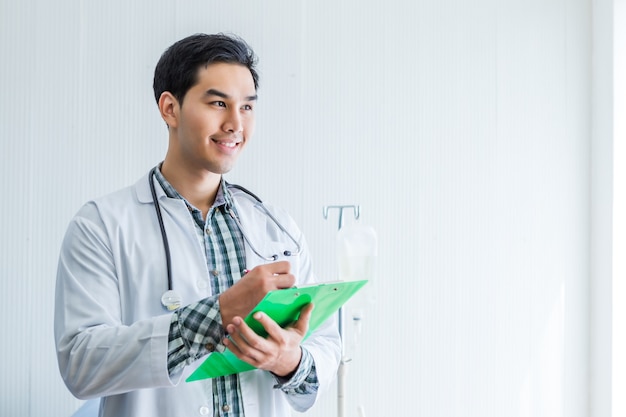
[(226, 408), (208, 231), (210, 347), (204, 410), (215, 272)]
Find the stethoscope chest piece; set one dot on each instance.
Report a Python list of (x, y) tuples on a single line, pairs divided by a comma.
[(171, 300)]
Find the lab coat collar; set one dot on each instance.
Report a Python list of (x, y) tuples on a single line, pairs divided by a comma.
[(144, 195), (142, 189)]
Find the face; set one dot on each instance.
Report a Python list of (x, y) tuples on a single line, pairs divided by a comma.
[(216, 119)]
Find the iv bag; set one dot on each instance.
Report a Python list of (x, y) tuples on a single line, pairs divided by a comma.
[(357, 249)]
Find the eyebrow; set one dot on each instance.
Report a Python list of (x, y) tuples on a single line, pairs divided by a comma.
[(214, 92)]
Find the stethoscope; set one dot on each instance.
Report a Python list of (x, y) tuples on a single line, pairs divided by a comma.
[(170, 299)]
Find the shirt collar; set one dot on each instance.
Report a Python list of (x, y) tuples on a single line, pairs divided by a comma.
[(222, 198)]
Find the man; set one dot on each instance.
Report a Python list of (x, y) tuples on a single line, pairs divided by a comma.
[(130, 332)]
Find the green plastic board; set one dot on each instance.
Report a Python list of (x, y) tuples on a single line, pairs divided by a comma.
[(283, 306)]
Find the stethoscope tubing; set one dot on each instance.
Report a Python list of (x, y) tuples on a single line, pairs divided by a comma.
[(166, 245), (170, 294)]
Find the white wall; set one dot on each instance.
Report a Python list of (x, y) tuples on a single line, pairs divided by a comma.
[(618, 342), (602, 361), (462, 128)]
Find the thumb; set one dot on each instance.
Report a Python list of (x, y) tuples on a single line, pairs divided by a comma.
[(303, 321)]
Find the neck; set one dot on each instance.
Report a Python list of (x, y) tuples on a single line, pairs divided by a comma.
[(197, 187)]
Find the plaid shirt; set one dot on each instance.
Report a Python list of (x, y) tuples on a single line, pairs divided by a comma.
[(196, 329)]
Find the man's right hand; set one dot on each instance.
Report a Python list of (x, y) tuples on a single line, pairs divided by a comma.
[(242, 297)]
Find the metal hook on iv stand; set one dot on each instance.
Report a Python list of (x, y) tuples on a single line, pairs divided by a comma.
[(356, 209), (341, 373)]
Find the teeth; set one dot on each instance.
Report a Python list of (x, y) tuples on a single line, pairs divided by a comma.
[(228, 144)]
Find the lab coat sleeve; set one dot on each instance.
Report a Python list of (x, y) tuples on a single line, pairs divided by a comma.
[(97, 354)]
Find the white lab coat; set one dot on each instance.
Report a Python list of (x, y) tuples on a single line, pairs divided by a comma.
[(111, 330)]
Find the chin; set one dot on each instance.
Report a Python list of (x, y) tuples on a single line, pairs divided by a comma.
[(223, 169)]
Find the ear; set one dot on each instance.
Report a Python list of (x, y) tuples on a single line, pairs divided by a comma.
[(169, 108)]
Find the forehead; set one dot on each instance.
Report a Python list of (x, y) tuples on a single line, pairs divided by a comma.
[(232, 79)]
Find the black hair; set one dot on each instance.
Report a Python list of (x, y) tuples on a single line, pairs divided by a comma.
[(177, 69)]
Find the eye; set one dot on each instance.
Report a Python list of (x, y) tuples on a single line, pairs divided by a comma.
[(218, 103), (247, 107)]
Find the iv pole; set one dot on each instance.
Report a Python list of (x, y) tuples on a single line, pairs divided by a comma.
[(341, 373)]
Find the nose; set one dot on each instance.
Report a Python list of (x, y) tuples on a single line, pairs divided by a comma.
[(233, 122)]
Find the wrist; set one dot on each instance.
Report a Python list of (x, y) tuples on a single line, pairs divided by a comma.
[(288, 372)]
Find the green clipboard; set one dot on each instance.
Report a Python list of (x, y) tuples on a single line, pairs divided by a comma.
[(283, 306)]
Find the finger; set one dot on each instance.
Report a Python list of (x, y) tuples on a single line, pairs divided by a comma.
[(273, 268), (238, 343), (234, 332), (279, 267), (242, 353), (285, 281), (233, 339), (276, 274), (302, 325), (232, 346), (271, 327), (252, 339)]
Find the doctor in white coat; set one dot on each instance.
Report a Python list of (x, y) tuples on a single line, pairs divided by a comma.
[(115, 337)]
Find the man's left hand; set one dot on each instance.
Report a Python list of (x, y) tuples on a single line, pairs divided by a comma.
[(279, 353)]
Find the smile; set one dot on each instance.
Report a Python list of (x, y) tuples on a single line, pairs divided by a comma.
[(226, 144)]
